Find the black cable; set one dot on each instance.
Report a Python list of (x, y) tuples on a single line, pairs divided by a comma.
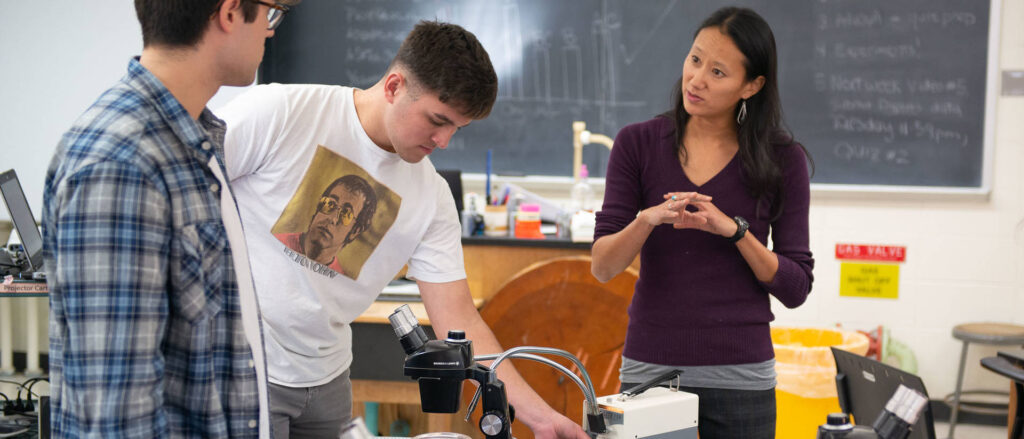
[(22, 386), (27, 385), (31, 382)]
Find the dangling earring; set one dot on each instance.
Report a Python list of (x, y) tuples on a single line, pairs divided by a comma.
[(742, 115)]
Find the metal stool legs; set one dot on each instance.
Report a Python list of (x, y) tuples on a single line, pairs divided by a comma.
[(987, 333), (956, 392), (1018, 418)]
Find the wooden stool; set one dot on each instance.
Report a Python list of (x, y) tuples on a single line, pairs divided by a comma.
[(983, 333), (558, 303)]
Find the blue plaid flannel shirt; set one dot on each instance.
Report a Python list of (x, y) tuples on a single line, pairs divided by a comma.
[(146, 335)]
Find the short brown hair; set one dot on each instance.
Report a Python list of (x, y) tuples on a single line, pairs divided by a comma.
[(180, 23), (448, 60)]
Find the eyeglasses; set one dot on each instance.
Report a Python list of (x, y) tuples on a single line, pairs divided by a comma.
[(275, 14), (328, 206)]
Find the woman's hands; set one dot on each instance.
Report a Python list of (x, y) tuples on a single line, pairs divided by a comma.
[(613, 253), (763, 262), (673, 209), (707, 217)]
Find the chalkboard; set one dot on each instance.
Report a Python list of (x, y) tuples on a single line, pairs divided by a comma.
[(882, 92)]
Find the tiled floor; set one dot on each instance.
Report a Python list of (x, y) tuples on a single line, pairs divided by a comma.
[(963, 431), (970, 431)]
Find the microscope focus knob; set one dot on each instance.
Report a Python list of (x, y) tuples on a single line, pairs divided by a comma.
[(492, 424), (456, 334)]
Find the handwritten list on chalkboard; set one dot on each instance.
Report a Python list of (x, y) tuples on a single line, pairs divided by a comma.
[(882, 92), (896, 95)]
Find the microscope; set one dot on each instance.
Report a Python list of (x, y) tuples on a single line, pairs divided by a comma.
[(440, 367), (894, 422)]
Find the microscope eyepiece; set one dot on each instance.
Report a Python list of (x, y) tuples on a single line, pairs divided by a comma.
[(403, 321), (408, 329)]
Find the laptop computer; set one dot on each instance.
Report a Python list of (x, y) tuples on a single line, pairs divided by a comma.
[(866, 385), (30, 258)]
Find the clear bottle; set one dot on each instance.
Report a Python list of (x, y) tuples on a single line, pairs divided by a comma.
[(582, 195), (513, 209)]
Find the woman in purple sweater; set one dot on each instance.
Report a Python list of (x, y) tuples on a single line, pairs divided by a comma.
[(696, 192)]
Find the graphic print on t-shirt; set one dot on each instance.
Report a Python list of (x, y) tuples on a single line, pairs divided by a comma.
[(337, 216)]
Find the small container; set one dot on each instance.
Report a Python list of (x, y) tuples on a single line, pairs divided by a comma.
[(528, 222), (495, 221), (582, 226)]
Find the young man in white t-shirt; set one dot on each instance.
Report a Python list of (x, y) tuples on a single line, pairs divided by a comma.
[(286, 147)]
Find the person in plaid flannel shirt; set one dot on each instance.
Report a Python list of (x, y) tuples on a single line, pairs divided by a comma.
[(154, 325)]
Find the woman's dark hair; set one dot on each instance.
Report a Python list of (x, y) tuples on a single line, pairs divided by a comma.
[(763, 126)]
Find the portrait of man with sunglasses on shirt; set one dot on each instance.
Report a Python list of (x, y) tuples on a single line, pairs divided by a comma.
[(345, 210)]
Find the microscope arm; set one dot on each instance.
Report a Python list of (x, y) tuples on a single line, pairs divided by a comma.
[(588, 394), (549, 351)]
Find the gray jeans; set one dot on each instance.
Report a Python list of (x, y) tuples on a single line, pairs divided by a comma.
[(311, 412)]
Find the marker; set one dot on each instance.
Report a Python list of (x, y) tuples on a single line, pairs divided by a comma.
[(503, 199)]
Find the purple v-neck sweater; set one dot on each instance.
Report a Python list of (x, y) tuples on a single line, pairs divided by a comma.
[(697, 302)]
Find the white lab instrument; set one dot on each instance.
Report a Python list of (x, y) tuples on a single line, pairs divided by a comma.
[(658, 412)]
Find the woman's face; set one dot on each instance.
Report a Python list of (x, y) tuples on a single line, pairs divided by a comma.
[(714, 76)]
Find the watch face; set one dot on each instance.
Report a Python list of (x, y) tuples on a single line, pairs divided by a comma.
[(741, 228)]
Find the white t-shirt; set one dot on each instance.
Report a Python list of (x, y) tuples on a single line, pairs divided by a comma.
[(307, 177), (246, 293)]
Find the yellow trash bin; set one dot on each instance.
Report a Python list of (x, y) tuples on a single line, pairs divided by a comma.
[(806, 389)]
